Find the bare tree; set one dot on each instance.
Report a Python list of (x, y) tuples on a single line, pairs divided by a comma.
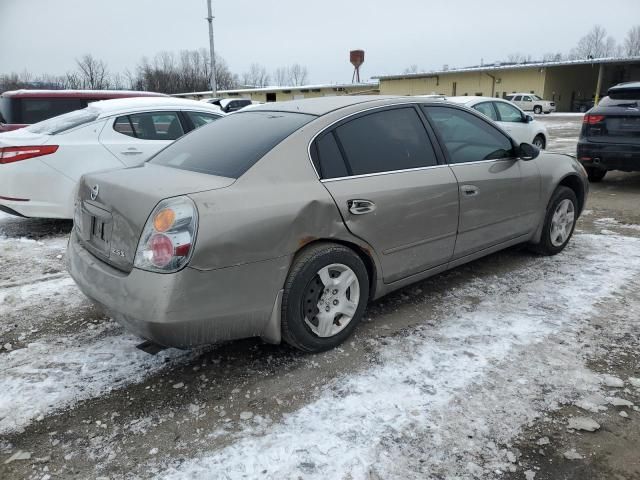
[(595, 44), (281, 76), (257, 76), (552, 57), (632, 42), (518, 57), (411, 69), (298, 74), (93, 73)]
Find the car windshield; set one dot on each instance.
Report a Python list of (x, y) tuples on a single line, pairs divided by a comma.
[(230, 146), (64, 122), (536, 97)]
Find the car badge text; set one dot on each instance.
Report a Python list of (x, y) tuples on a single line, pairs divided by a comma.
[(94, 192)]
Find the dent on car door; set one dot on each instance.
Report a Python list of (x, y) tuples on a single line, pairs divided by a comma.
[(383, 173), (134, 138), (499, 194)]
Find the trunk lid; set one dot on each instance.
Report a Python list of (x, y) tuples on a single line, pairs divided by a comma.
[(22, 137), (112, 207)]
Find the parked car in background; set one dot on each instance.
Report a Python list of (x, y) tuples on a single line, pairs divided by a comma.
[(228, 105), (41, 164), (610, 135), (19, 108), (522, 127), (306, 210), (531, 103)]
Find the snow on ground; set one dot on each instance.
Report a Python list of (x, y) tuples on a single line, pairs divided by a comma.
[(612, 222), (445, 399), (54, 373)]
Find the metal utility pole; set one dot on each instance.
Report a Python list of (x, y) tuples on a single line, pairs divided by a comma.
[(214, 88)]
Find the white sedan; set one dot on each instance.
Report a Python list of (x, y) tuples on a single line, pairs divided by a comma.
[(522, 127), (41, 164)]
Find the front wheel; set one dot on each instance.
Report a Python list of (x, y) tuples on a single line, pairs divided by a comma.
[(596, 174), (537, 109), (559, 222), (324, 298), (539, 142)]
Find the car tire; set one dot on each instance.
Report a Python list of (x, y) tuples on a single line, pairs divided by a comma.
[(537, 109), (596, 174), (313, 300), (559, 222), (540, 142)]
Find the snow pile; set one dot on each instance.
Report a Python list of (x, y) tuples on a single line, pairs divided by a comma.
[(445, 399)]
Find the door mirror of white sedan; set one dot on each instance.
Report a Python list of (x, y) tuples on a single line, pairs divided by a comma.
[(528, 119), (527, 151)]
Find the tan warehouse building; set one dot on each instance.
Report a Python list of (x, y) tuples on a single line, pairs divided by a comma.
[(279, 94), (570, 84)]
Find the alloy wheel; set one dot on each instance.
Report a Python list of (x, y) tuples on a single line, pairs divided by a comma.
[(562, 222)]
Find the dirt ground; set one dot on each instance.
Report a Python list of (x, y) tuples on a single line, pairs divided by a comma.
[(476, 373)]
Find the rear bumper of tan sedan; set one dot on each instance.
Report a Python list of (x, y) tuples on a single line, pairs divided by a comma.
[(187, 308)]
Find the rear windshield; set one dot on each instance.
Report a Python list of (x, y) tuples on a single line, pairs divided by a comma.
[(65, 122), (625, 94), (619, 102), (230, 146)]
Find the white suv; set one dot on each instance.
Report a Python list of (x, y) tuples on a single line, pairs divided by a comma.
[(532, 103)]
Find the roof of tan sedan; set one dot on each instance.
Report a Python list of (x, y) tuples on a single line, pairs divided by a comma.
[(323, 105)]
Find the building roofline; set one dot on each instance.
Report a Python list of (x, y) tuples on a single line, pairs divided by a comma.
[(280, 89), (518, 66)]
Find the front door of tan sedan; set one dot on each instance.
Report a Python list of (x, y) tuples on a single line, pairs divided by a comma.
[(383, 172), (499, 193)]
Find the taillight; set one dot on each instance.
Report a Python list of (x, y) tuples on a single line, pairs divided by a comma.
[(15, 154), (593, 119), (167, 240)]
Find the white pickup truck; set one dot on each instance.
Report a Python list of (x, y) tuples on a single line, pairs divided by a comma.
[(532, 103)]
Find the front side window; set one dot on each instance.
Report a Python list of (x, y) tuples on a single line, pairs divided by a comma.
[(385, 141), (526, 99), (509, 113), (487, 109), (150, 126), (468, 138), (536, 97)]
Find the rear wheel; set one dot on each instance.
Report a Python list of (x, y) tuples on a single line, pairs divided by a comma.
[(596, 174), (559, 223), (324, 298), (539, 142), (537, 109)]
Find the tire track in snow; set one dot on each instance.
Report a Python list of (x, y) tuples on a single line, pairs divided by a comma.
[(410, 416)]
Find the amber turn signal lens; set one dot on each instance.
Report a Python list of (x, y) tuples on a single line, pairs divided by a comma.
[(164, 220)]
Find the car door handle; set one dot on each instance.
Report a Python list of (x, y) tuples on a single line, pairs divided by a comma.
[(360, 207), (131, 151), (470, 190)]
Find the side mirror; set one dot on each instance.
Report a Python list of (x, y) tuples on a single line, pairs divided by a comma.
[(527, 151), (528, 119)]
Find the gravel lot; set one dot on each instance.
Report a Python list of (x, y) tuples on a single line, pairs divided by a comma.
[(492, 370)]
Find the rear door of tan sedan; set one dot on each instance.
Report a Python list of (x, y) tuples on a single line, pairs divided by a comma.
[(388, 178)]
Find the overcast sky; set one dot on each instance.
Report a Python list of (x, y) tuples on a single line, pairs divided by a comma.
[(47, 35)]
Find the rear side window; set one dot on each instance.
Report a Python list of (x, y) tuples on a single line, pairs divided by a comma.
[(5, 110), (467, 137), (386, 141), (150, 126), (230, 146), (35, 110), (199, 119), (487, 109), (329, 161)]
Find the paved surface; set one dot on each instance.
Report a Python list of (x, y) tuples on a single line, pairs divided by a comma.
[(476, 373)]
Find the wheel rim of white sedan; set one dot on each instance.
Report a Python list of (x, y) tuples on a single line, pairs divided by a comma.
[(562, 222), (538, 142), (335, 294)]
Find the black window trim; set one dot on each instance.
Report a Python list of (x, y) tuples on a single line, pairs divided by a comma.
[(482, 118), (439, 152)]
